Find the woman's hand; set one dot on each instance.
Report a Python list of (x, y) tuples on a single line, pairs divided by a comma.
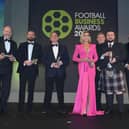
[(85, 60)]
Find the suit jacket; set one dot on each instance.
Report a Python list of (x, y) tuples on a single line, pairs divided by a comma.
[(6, 64), (118, 52), (101, 49), (22, 55), (48, 59), (127, 53)]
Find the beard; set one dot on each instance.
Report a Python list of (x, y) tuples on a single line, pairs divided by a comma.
[(110, 41), (31, 39)]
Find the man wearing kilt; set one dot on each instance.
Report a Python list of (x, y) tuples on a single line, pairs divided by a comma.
[(112, 78)]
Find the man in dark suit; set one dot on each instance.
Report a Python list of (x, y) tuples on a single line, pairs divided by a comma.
[(8, 49), (55, 58), (113, 77), (99, 66), (29, 55)]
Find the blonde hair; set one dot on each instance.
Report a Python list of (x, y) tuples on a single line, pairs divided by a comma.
[(82, 35)]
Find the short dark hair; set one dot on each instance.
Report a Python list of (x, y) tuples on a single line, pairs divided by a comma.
[(110, 30), (101, 33), (31, 31)]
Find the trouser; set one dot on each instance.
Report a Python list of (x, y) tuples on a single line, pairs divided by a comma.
[(31, 83), (98, 92), (5, 90), (59, 82)]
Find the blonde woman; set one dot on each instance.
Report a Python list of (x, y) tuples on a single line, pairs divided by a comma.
[(85, 55)]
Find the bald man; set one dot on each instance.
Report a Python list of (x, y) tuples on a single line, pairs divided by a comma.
[(8, 49)]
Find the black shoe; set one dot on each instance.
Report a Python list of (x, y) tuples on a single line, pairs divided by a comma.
[(3, 113), (121, 115), (62, 111), (46, 110), (108, 112)]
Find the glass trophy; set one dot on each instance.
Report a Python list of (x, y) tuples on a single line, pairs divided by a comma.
[(34, 61)]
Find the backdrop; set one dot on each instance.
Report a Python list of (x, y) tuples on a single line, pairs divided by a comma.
[(70, 18), (2, 5)]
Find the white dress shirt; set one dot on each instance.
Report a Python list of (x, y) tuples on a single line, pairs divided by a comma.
[(110, 44), (30, 51), (55, 50), (7, 46)]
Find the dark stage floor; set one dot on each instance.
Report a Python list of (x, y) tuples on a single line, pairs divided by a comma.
[(53, 120)]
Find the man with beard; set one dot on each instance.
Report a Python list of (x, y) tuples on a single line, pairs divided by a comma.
[(29, 55), (113, 78)]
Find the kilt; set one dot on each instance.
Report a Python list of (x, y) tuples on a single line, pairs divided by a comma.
[(111, 81)]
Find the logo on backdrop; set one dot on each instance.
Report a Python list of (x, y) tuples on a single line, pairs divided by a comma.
[(57, 20), (88, 21)]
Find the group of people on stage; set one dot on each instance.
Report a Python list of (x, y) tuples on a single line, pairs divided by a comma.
[(101, 68)]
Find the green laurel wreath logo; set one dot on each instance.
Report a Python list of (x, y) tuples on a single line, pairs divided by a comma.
[(57, 20)]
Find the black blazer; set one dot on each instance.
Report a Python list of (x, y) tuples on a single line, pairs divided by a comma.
[(119, 53), (101, 49), (22, 55), (127, 53), (48, 59), (6, 64)]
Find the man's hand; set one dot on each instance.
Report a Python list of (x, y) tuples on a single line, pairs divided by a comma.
[(55, 65), (27, 63), (108, 53), (113, 60), (2, 56), (12, 58)]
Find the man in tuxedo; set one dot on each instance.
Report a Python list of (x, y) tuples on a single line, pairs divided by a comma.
[(55, 58), (29, 55), (8, 49), (99, 66), (113, 77)]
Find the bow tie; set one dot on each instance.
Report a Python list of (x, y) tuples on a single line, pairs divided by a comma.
[(7, 40), (30, 42), (54, 45), (110, 41)]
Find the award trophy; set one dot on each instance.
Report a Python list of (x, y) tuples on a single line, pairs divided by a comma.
[(34, 61), (109, 65), (7, 56)]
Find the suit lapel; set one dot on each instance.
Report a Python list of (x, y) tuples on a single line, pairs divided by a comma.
[(51, 53), (11, 47), (34, 51), (26, 50), (59, 50), (3, 46)]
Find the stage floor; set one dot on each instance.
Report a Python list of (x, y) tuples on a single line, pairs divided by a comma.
[(53, 120)]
